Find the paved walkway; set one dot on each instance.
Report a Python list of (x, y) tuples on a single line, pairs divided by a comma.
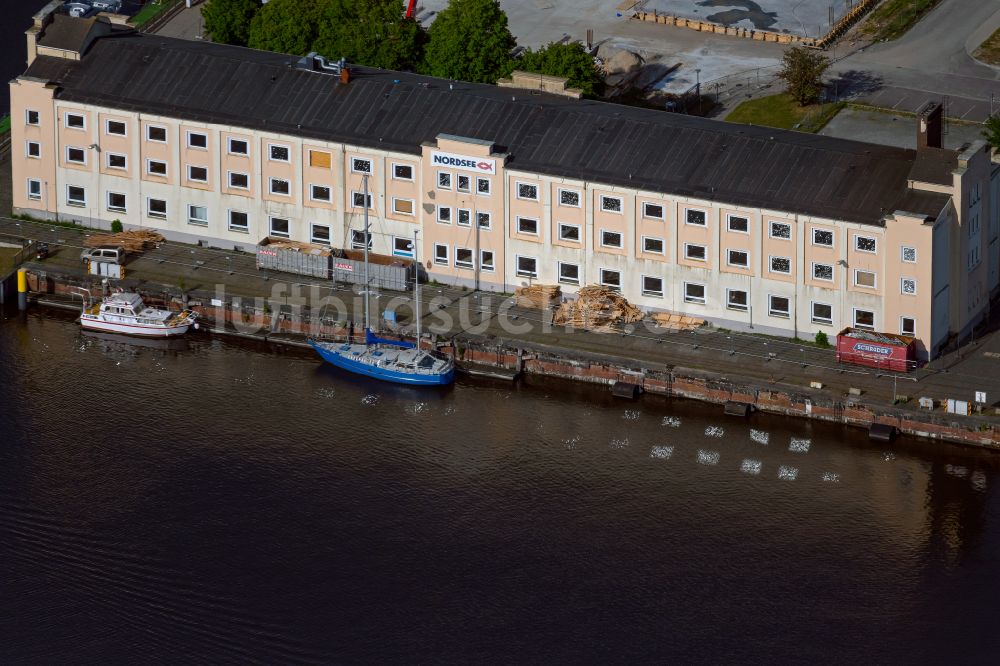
[(186, 24)]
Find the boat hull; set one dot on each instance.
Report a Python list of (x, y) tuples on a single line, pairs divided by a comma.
[(94, 324), (361, 368)]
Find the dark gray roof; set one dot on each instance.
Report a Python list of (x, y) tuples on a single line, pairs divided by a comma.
[(934, 165), (929, 204), (597, 141), (66, 32)]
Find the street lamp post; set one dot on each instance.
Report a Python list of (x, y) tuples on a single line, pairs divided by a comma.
[(697, 87)]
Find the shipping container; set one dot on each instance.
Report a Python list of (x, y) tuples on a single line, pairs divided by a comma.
[(291, 257), (383, 272), (885, 351), (278, 254)]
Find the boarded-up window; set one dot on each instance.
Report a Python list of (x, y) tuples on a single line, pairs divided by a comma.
[(403, 206), (318, 158)]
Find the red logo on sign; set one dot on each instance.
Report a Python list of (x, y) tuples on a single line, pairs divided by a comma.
[(485, 166)]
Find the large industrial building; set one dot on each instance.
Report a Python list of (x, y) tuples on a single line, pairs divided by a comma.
[(748, 227)]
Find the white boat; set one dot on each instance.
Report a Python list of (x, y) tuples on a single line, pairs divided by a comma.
[(126, 313)]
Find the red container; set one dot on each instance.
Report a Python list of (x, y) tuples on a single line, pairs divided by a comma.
[(885, 351)]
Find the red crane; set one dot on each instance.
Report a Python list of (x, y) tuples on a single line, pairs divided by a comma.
[(411, 8)]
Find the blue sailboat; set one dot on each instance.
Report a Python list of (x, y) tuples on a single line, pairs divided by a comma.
[(389, 360)]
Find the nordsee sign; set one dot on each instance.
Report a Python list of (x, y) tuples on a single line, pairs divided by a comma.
[(477, 164)]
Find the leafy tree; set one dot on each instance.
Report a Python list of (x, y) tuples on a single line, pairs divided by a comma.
[(228, 21), (370, 32), (287, 26), (802, 71), (470, 41), (991, 130), (570, 61)]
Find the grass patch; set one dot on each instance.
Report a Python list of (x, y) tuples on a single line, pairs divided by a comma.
[(151, 10), (893, 18), (5, 124), (989, 51), (782, 112)]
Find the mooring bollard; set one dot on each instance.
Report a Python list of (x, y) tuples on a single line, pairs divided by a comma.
[(22, 290)]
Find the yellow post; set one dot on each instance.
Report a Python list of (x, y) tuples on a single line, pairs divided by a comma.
[(22, 289)]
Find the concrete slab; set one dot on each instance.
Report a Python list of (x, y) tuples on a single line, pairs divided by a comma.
[(892, 130)]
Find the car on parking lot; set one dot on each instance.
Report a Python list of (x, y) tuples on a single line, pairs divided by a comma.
[(111, 254)]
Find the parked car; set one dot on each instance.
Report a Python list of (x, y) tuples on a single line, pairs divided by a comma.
[(41, 251), (111, 254)]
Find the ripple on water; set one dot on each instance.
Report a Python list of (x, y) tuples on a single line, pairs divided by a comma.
[(706, 457), (759, 436), (751, 466), (831, 477), (619, 443), (787, 473), (370, 400), (671, 422), (715, 431)]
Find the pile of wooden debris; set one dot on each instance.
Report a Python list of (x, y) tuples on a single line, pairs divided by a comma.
[(133, 242), (537, 296), (597, 309), (676, 322)]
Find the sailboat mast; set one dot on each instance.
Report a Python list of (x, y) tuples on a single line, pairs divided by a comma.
[(364, 183), (416, 283)]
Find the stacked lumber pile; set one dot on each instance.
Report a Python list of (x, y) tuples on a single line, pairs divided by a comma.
[(597, 309), (537, 296), (133, 242), (676, 322), (296, 246)]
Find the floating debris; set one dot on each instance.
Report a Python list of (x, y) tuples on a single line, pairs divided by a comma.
[(371, 400), (788, 473), (708, 457), (957, 470), (619, 443), (661, 452), (799, 445), (979, 480), (671, 422), (750, 466), (714, 431), (631, 415), (831, 477), (759, 436)]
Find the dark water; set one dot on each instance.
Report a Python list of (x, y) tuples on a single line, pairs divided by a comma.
[(212, 502)]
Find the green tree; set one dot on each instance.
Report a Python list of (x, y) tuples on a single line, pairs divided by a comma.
[(370, 32), (570, 61), (802, 71), (470, 41), (228, 21), (991, 130), (287, 26)]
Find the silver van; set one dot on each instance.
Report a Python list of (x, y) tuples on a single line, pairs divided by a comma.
[(111, 254)]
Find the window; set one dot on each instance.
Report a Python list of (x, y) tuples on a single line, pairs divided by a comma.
[(239, 221), (198, 215), (198, 174), (320, 233), (319, 192), (781, 265), (76, 195), (73, 155), (156, 168), (697, 218), (116, 161), (823, 237), (319, 159), (694, 293), (864, 244), (358, 199), (484, 220), (156, 133), (402, 172), (739, 224), (909, 254), (611, 204), (907, 326), (402, 206), (75, 121), (464, 183), (486, 261), (116, 202), (864, 319), (610, 278), (34, 149), (652, 286), (483, 185), (694, 252), (444, 215), (361, 165), (464, 217), (116, 127), (822, 313), (279, 226), (444, 180), (611, 239), (864, 279), (31, 117), (569, 273), (526, 225), (240, 181), (239, 147), (402, 247), (781, 230), (738, 258), (569, 233), (527, 267), (652, 245), (823, 272), (736, 299), (156, 208), (280, 186), (463, 257), (277, 153), (358, 240), (527, 191), (34, 189), (652, 210), (569, 198), (440, 254), (778, 306), (197, 140), (908, 286)]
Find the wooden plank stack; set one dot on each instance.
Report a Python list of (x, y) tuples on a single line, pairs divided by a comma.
[(676, 322), (133, 242), (537, 296), (597, 309)]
